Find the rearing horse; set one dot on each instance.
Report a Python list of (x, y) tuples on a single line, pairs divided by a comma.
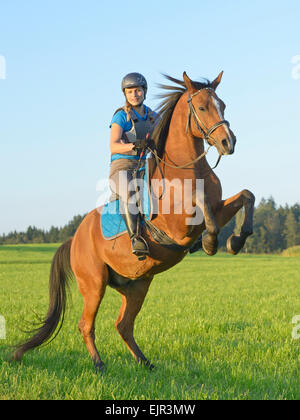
[(191, 114)]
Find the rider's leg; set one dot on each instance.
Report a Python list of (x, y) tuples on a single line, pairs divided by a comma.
[(129, 210), (133, 223)]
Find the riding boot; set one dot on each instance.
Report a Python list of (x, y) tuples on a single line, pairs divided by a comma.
[(133, 224)]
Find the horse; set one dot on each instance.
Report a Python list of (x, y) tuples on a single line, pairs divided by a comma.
[(191, 115)]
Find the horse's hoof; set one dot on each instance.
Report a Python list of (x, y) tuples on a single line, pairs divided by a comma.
[(150, 366), (210, 244), (100, 367), (235, 244), (147, 364)]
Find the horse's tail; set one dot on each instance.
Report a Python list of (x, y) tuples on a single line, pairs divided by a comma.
[(60, 274)]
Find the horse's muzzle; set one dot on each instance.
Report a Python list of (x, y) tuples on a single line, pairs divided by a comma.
[(227, 146)]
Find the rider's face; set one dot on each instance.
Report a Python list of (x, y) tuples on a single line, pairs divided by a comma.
[(135, 96)]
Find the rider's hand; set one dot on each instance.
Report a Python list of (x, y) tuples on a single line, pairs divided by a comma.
[(141, 144)]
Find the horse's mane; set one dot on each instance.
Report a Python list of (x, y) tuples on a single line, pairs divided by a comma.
[(166, 108)]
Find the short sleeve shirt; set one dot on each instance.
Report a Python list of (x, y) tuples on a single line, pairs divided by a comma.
[(120, 118)]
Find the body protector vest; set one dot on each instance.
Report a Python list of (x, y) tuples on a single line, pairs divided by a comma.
[(140, 129)]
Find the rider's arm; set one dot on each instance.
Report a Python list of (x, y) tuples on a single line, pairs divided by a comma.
[(115, 140)]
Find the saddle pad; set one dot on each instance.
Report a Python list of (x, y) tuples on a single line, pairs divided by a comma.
[(112, 223)]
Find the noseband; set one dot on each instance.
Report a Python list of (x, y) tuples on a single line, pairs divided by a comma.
[(206, 132)]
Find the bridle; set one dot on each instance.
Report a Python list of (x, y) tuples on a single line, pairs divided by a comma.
[(206, 132)]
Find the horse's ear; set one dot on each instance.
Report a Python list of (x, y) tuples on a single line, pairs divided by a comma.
[(188, 82), (217, 81)]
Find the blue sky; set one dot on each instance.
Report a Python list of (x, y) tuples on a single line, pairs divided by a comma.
[(64, 64)]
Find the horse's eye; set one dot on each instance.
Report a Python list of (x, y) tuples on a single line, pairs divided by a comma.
[(201, 108)]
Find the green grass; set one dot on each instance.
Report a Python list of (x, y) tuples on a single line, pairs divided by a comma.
[(215, 328)]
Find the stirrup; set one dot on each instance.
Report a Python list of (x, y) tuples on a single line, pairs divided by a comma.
[(141, 252)]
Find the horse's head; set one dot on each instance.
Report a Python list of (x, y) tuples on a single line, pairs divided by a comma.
[(206, 115)]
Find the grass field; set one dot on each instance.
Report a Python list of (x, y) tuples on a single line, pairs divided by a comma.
[(215, 328)]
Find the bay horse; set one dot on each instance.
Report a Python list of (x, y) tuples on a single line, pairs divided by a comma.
[(191, 114)]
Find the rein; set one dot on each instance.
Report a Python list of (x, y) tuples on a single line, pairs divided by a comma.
[(158, 160), (177, 166)]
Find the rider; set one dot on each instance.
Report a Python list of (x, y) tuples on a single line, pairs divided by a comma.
[(131, 127)]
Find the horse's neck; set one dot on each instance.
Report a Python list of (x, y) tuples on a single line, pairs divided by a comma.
[(180, 149)]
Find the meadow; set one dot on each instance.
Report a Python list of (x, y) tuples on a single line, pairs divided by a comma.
[(215, 328)]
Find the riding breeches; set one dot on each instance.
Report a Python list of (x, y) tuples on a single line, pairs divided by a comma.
[(124, 186)]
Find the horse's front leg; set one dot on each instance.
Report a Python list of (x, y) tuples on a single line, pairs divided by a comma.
[(210, 237), (228, 209)]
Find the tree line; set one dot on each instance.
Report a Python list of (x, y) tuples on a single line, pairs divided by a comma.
[(33, 235), (275, 229)]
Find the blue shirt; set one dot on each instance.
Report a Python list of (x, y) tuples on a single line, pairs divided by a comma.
[(120, 118)]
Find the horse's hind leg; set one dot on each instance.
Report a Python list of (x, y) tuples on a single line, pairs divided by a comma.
[(133, 296), (92, 290)]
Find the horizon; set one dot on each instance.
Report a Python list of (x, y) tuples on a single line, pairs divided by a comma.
[(47, 229)]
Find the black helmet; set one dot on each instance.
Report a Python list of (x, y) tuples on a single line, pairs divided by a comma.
[(133, 80)]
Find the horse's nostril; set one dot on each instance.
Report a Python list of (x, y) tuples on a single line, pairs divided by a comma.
[(225, 143)]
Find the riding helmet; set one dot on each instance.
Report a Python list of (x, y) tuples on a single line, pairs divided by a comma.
[(133, 80)]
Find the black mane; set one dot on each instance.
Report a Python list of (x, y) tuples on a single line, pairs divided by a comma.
[(167, 106)]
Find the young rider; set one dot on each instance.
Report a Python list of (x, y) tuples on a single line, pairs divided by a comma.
[(131, 127)]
